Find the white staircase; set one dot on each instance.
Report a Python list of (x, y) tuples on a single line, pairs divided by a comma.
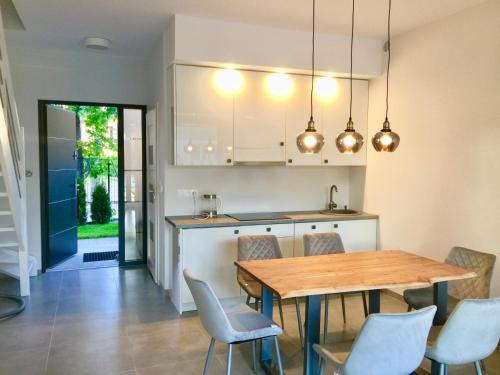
[(14, 258)]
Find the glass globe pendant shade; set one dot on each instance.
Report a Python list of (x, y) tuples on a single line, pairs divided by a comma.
[(349, 141), (310, 141), (385, 140)]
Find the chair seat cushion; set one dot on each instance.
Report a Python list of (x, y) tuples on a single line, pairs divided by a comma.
[(423, 297), (248, 324)]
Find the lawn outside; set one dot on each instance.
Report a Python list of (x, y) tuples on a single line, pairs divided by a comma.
[(98, 230)]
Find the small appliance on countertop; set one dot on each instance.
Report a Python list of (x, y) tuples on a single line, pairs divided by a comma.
[(256, 216), (211, 205)]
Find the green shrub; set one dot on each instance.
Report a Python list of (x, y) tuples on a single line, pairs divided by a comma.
[(82, 201), (101, 205)]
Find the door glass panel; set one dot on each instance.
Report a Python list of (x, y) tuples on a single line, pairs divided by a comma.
[(133, 185)]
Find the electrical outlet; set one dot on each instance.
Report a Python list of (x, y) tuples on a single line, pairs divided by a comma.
[(187, 193)]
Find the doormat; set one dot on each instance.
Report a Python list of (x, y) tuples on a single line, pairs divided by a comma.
[(103, 255)]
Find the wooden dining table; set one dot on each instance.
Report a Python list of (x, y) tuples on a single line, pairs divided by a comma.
[(314, 276)]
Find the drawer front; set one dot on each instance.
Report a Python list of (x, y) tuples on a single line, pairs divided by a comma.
[(279, 230), (357, 235)]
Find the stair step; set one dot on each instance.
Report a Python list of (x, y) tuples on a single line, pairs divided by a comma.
[(3, 194), (8, 244), (12, 269), (7, 229), (5, 213)]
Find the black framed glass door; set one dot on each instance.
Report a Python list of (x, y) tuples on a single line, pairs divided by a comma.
[(132, 185)]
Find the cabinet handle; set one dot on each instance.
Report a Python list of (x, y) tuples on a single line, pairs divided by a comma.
[(290, 161), (228, 160), (268, 229), (335, 225), (282, 143), (236, 231), (313, 226), (325, 161)]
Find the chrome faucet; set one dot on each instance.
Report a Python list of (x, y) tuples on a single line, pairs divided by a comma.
[(332, 205)]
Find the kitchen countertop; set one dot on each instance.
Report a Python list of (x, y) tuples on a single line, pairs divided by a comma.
[(187, 222)]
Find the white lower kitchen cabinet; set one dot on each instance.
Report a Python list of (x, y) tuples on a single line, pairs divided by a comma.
[(210, 253)]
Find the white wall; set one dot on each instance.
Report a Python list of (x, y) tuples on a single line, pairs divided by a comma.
[(64, 75), (199, 40), (442, 186)]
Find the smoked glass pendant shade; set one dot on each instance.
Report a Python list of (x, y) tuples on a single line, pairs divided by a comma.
[(349, 141), (386, 140), (310, 141)]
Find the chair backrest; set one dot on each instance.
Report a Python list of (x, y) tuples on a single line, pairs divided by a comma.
[(211, 313), (481, 263), (390, 343), (258, 247), (470, 334), (322, 243)]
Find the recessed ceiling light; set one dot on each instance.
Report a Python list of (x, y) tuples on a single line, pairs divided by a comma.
[(97, 43)]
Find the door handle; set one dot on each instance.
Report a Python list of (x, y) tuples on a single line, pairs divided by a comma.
[(75, 155)]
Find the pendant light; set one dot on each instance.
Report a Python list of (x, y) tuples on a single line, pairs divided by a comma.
[(350, 141), (310, 141), (386, 139)]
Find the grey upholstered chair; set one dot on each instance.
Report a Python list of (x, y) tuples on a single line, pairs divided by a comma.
[(322, 244), (234, 325), (260, 247), (475, 288), (387, 344), (470, 335)]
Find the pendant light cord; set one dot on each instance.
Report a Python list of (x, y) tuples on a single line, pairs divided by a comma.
[(312, 59), (352, 41), (388, 60)]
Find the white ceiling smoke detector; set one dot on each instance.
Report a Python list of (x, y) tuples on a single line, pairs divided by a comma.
[(97, 43)]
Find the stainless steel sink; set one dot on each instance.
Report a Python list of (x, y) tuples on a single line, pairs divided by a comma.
[(340, 212)]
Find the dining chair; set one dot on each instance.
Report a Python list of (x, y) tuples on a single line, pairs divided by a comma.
[(470, 335), (234, 325), (322, 244), (387, 344), (260, 247), (474, 288)]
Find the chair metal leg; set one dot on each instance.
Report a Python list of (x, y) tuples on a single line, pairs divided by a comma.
[(254, 355), (321, 366), (479, 370), (409, 308), (229, 357), (248, 300), (281, 314), (209, 356), (278, 355), (256, 304), (343, 305), (325, 323), (365, 305), (299, 321)]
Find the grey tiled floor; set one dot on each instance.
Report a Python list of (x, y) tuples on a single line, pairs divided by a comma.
[(116, 321)]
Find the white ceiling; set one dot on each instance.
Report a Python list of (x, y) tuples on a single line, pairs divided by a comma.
[(134, 27)]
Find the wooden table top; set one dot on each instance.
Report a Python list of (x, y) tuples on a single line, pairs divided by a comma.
[(349, 272)]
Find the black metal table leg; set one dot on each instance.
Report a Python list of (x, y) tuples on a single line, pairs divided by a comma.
[(374, 301), (313, 320), (435, 367), (441, 301), (266, 348)]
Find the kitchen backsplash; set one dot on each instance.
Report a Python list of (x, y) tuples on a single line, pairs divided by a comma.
[(255, 189)]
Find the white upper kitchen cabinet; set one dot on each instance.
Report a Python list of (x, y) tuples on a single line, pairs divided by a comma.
[(334, 114), (259, 119), (297, 116), (204, 117)]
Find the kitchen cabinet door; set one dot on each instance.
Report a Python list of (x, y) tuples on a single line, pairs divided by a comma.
[(204, 118), (210, 254), (297, 117), (357, 235), (334, 117), (305, 228), (259, 121)]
